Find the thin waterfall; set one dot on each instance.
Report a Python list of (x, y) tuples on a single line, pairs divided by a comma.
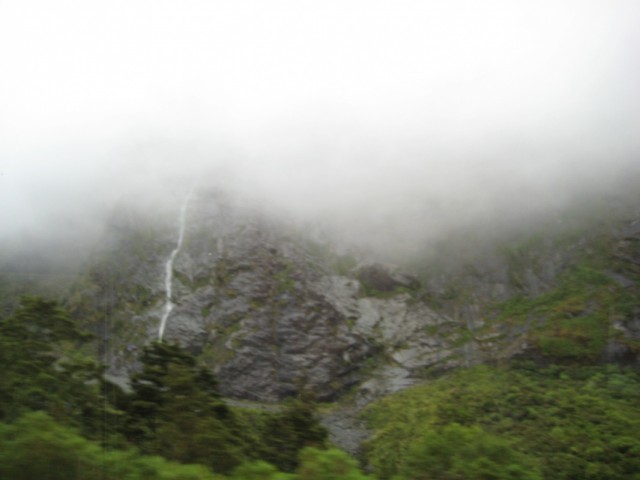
[(168, 278)]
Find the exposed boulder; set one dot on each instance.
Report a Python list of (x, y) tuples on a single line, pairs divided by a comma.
[(384, 277)]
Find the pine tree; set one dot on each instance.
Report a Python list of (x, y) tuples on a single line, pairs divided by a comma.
[(176, 411), (293, 429), (44, 367)]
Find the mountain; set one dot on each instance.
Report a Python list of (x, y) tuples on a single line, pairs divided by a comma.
[(275, 306)]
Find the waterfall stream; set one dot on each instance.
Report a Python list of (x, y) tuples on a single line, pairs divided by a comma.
[(168, 279)]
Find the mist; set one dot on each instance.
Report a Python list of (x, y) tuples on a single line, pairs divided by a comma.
[(392, 124)]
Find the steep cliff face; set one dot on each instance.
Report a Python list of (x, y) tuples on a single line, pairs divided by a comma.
[(273, 308), (566, 290)]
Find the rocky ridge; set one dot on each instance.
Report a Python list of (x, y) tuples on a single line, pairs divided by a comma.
[(273, 307)]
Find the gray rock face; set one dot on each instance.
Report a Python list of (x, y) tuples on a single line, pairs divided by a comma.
[(384, 278), (265, 305), (262, 304), (271, 317)]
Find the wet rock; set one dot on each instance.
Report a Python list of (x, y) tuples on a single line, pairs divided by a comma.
[(385, 278), (261, 302)]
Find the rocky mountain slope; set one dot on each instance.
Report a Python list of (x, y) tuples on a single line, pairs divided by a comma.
[(275, 307)]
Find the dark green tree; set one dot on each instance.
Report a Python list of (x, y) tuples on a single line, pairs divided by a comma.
[(44, 367), (259, 470), (176, 411), (35, 447), (291, 430), (330, 464)]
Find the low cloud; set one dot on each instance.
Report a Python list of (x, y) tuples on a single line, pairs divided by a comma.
[(392, 124)]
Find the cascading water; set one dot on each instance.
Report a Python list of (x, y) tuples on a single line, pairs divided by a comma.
[(168, 279)]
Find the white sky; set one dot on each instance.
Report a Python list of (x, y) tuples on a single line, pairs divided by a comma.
[(322, 102)]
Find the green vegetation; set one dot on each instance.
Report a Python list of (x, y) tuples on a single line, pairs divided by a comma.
[(58, 411), (42, 368), (15, 285), (520, 423), (285, 283), (344, 264), (567, 421), (573, 322), (455, 451), (37, 447), (369, 290), (193, 285), (288, 432), (487, 423), (175, 411), (329, 464)]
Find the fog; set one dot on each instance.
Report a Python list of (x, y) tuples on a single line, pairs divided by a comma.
[(391, 122)]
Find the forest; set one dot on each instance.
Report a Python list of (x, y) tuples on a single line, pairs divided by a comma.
[(62, 420)]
